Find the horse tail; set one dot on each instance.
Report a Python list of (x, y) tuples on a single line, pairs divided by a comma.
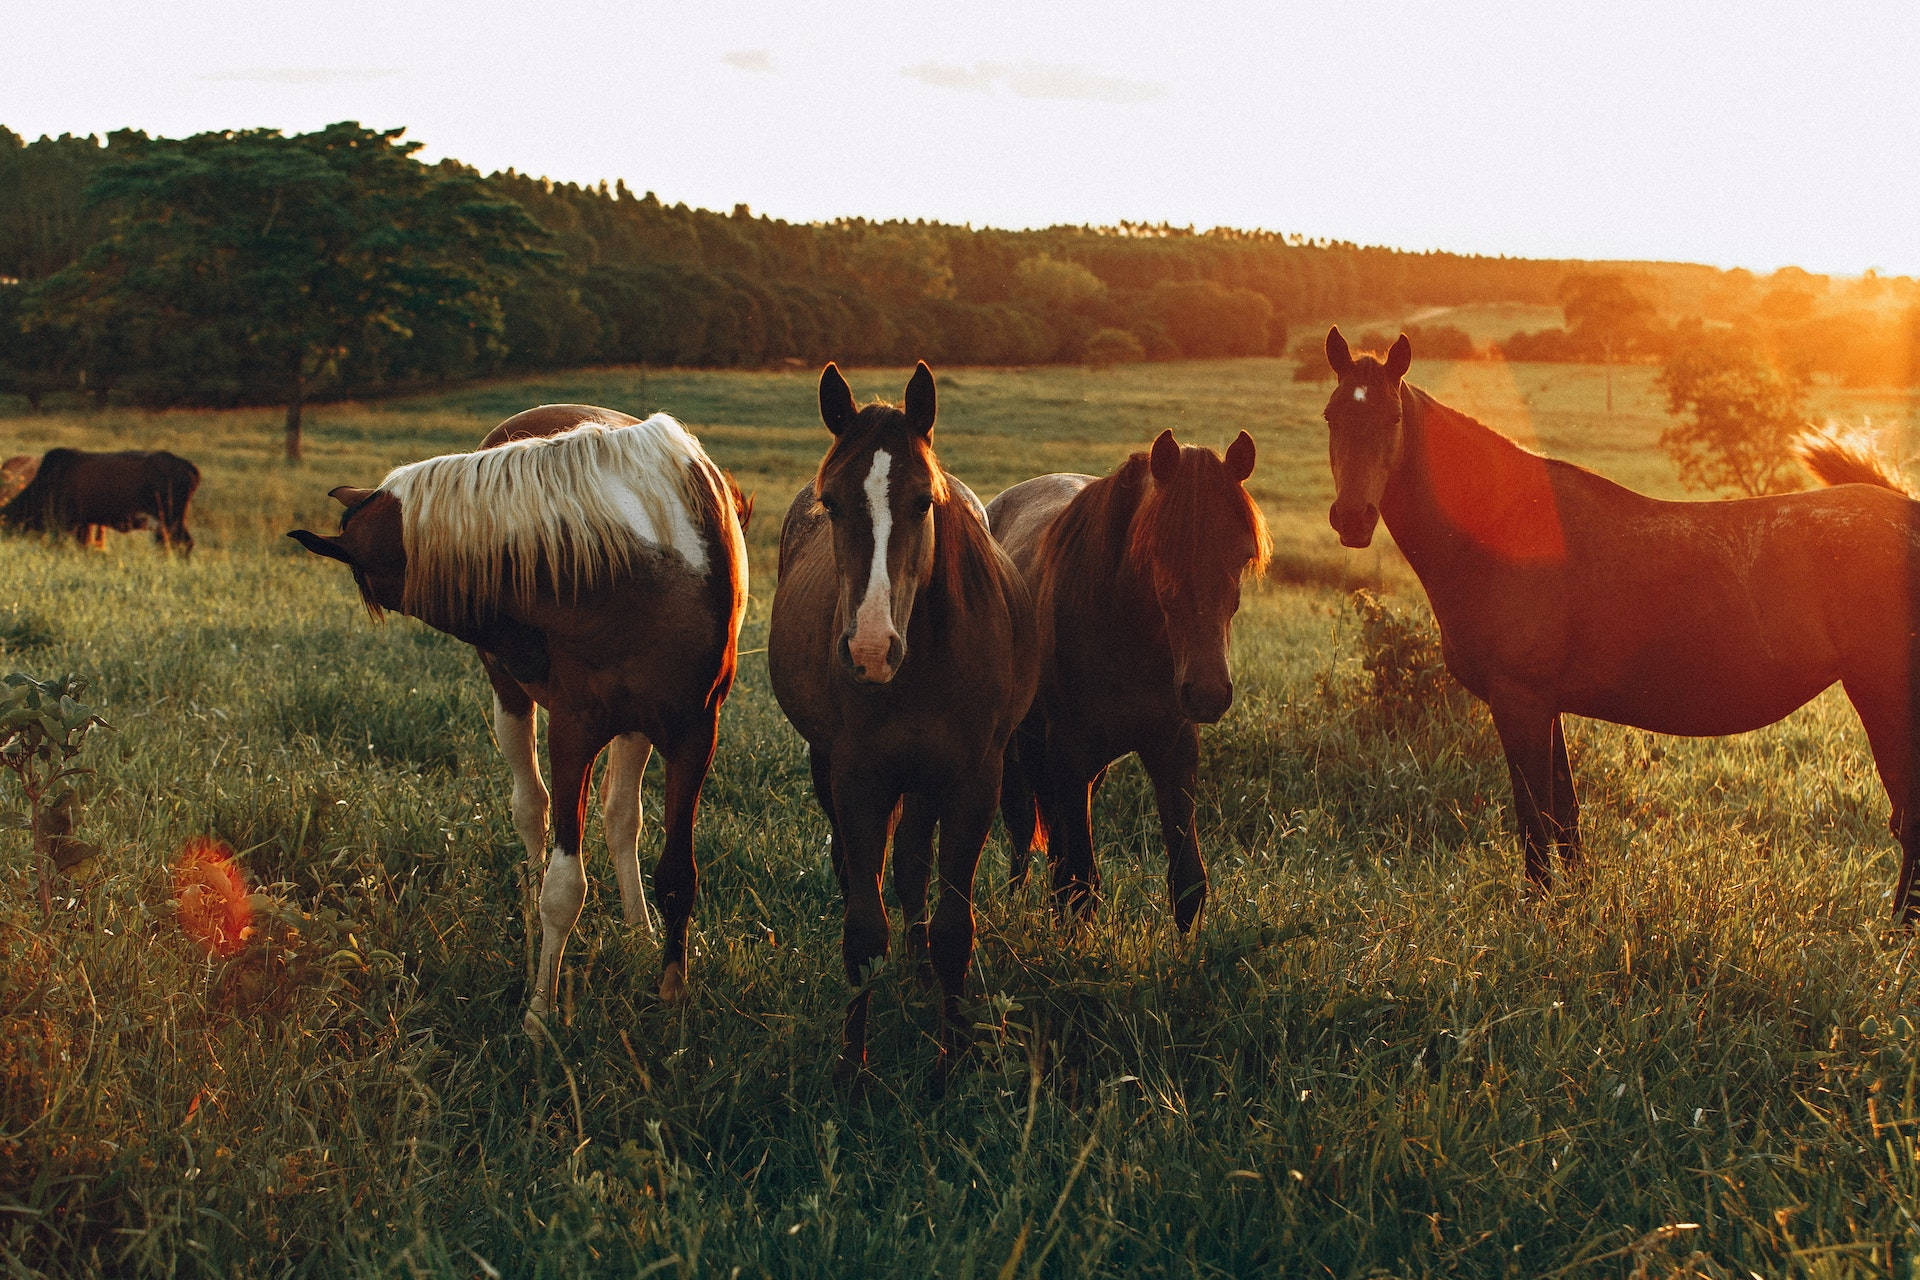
[(1834, 458)]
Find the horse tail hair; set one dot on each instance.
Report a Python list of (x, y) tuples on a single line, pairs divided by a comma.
[(1836, 458)]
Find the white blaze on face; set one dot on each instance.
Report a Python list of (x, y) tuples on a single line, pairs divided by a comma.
[(873, 624), (1360, 394)]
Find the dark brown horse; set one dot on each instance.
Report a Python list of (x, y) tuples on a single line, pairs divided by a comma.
[(1558, 591), (597, 563), (82, 493), (1135, 578), (901, 648)]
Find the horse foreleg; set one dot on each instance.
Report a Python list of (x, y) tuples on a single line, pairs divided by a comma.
[(620, 815), (1565, 813), (571, 748), (1525, 725), (865, 809), (676, 877), (966, 818), (912, 868), (513, 729), (1173, 765)]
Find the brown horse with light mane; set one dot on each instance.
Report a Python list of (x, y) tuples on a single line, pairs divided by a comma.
[(1558, 591), (901, 647), (1136, 579), (597, 563)]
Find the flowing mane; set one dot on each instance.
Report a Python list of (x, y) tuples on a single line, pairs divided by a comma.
[(569, 512)]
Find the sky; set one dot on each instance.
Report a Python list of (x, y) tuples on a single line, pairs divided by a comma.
[(1758, 135)]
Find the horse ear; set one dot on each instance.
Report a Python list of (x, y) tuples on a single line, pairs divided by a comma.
[(1164, 461), (920, 400), (836, 400), (1339, 354), (1240, 458), (1400, 359), (321, 546), (346, 495)]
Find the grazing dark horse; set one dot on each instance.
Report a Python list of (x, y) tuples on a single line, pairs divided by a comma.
[(597, 562), (1558, 591), (901, 648), (1135, 580), (81, 493)]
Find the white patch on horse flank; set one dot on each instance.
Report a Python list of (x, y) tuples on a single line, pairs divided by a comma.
[(876, 607), (1360, 394)]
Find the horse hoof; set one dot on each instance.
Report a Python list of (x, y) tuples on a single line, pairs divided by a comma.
[(850, 1076), (673, 982)]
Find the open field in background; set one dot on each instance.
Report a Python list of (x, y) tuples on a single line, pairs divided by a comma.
[(1374, 1057)]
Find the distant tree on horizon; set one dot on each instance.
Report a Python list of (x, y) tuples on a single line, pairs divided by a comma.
[(276, 258)]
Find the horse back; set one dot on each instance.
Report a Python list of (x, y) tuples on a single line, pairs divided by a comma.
[(550, 420), (1020, 516)]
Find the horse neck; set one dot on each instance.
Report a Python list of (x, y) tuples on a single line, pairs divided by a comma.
[(1095, 578), (1441, 448)]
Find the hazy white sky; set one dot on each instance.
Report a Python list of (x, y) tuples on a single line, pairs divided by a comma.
[(1754, 134)]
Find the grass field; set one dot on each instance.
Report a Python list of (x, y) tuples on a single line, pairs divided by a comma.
[(1375, 1057)]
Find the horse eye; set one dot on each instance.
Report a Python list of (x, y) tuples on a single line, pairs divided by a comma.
[(831, 507), (922, 504)]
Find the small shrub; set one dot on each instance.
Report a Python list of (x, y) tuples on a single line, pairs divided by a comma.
[(1407, 681), (43, 726)]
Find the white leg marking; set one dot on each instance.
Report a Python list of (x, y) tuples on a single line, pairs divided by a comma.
[(515, 734), (562, 891), (620, 813), (873, 631)]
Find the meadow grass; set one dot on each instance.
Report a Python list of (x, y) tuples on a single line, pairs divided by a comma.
[(1375, 1057)]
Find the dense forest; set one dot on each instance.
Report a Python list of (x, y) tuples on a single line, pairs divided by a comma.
[(250, 266)]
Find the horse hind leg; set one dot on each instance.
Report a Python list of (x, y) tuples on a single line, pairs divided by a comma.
[(676, 876), (912, 868), (620, 815), (1889, 716), (1020, 807), (563, 889), (513, 729)]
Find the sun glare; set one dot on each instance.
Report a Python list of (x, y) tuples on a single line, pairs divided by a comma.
[(212, 894)]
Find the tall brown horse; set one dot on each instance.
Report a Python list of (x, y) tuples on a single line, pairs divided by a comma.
[(901, 647), (1558, 591), (597, 563), (1136, 578)]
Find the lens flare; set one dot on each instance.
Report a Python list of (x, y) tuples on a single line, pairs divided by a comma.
[(212, 894)]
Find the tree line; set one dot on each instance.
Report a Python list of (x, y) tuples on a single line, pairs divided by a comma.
[(249, 266)]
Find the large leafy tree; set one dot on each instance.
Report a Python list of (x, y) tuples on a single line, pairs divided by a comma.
[(291, 255), (1736, 415)]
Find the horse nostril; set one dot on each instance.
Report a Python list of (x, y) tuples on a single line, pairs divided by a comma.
[(846, 655)]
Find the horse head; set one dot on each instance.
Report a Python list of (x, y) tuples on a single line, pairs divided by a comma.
[(1365, 435), (878, 485), (1195, 536), (370, 543)]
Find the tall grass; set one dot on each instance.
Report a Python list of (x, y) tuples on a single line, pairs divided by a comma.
[(1376, 1056)]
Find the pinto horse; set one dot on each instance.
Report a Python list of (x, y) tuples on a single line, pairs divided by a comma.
[(597, 562), (1558, 591), (901, 647), (1136, 579)]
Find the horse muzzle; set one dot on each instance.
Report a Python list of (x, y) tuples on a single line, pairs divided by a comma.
[(1354, 523), (1204, 702), (872, 662)]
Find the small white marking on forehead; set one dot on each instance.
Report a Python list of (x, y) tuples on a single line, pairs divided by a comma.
[(1360, 394)]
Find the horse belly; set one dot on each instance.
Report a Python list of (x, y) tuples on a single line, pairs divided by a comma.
[(1704, 692)]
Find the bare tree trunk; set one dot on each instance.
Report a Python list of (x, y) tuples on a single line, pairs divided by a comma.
[(294, 405)]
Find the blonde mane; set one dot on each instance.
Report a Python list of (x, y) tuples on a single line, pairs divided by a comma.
[(562, 514)]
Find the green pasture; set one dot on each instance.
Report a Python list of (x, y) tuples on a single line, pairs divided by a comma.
[(1376, 1056)]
